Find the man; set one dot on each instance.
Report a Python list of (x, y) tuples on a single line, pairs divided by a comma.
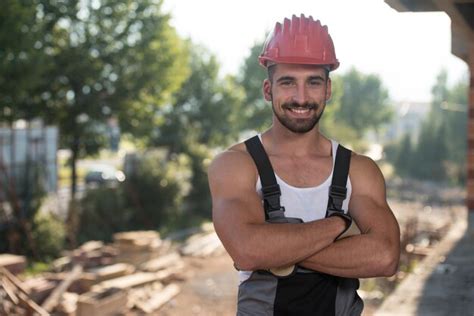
[(309, 197)]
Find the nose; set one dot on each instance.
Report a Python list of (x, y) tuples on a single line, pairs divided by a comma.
[(300, 94)]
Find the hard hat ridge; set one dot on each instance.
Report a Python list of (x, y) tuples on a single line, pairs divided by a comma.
[(300, 40)]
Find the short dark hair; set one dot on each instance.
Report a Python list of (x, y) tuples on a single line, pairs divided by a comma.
[(271, 72)]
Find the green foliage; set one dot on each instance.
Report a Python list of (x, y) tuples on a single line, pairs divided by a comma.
[(48, 233), (439, 154), (22, 61), (83, 62), (256, 112), (35, 268), (364, 103), (205, 109), (102, 214), (150, 198), (331, 124), (206, 113)]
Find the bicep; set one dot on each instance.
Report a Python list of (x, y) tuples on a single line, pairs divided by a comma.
[(368, 205), (235, 202)]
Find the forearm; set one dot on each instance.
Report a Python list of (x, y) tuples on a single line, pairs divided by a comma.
[(264, 245), (358, 256)]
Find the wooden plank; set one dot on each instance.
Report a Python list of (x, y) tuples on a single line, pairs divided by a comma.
[(91, 245), (54, 298), (136, 237), (158, 299), (194, 245), (111, 271), (10, 290), (162, 262), (112, 301), (13, 280), (15, 264), (31, 305), (128, 281)]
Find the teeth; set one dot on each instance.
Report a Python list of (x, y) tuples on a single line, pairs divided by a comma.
[(301, 111)]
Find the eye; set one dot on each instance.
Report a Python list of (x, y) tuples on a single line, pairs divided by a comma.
[(314, 82), (286, 82)]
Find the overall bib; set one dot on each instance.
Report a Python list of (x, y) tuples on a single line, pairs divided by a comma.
[(304, 292)]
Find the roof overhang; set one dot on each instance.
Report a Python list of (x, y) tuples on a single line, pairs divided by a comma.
[(461, 13)]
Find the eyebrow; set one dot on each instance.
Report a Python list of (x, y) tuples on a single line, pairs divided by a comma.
[(316, 78), (285, 78)]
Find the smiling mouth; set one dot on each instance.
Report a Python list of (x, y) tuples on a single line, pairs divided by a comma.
[(299, 110)]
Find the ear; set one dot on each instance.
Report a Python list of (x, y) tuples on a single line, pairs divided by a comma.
[(328, 89), (267, 90)]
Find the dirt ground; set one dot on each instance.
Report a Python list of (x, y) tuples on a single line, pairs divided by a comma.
[(210, 289)]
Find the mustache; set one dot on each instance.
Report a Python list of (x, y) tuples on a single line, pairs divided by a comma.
[(296, 105)]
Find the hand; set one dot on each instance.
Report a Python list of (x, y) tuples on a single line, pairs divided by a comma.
[(352, 230), (283, 271)]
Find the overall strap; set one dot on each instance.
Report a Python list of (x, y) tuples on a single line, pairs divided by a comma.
[(338, 189), (270, 188)]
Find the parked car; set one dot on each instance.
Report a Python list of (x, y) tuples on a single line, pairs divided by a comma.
[(104, 174)]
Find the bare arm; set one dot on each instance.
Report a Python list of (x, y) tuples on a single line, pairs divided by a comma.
[(239, 220), (375, 252)]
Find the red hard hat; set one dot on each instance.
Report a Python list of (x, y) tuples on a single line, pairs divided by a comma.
[(299, 41)]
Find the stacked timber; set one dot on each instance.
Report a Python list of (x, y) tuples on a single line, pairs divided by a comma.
[(202, 245), (94, 254), (40, 287), (96, 275), (137, 247), (150, 299), (13, 263), (105, 302), (14, 298), (135, 275)]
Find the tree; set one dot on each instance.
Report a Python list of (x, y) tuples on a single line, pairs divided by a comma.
[(256, 112), (22, 60), (204, 114), (439, 154), (364, 103), (102, 59)]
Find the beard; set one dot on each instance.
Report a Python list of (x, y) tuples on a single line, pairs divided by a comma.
[(301, 125)]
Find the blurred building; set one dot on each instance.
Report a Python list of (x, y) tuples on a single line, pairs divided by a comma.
[(408, 119), (461, 13), (28, 165)]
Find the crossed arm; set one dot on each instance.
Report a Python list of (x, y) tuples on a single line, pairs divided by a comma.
[(253, 244)]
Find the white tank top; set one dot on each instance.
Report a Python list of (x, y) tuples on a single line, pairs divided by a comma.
[(309, 204)]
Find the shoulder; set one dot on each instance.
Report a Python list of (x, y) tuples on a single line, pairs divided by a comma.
[(365, 174), (234, 165)]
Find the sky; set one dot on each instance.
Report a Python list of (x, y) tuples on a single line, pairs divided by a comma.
[(407, 50)]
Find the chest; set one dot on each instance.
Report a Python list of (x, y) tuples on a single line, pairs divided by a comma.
[(303, 172)]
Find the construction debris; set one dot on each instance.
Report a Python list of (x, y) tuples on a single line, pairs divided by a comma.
[(14, 299), (53, 300), (202, 245), (137, 247), (135, 275), (107, 302), (156, 299), (13, 263)]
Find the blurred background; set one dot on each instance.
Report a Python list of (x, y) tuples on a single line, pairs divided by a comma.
[(111, 111)]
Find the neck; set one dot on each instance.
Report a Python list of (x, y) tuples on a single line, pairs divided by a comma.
[(282, 141)]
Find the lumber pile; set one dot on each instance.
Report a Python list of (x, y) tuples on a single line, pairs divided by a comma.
[(13, 263), (39, 288), (148, 300), (136, 247), (202, 245), (137, 274), (14, 299)]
